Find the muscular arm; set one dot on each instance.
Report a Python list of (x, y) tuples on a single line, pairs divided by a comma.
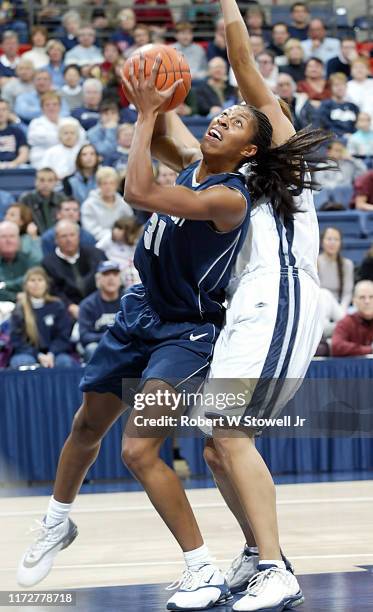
[(253, 88), (172, 143)]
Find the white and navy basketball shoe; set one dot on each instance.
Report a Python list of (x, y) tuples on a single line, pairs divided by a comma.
[(244, 567), (271, 590), (199, 590), (38, 559)]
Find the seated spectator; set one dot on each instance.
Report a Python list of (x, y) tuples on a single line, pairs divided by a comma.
[(67, 209), (300, 16), (366, 267), (88, 114), (38, 54), (218, 46), (85, 54), (42, 132), (268, 68), (255, 20), (302, 111), (13, 263), (315, 85), (202, 15), (43, 201), (104, 205), (343, 61), (330, 313), (9, 57), (55, 66), (104, 71), (337, 115), (81, 183), (14, 151), (40, 326), (141, 37), (72, 267), (336, 272), (120, 247), (62, 157), (337, 185), (279, 38), (194, 54), (71, 24), (216, 93), (98, 310), (22, 83), (360, 88), (165, 175), (123, 36), (103, 136), (318, 44), (14, 18), (295, 65), (28, 104), (6, 199), (72, 91), (119, 157), (353, 335), (21, 215), (363, 197), (360, 144)]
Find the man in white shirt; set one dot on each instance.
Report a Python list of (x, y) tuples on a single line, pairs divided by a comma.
[(318, 44)]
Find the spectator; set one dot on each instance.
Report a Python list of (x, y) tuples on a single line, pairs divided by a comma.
[(85, 54), (21, 215), (111, 55), (89, 114), (13, 263), (123, 36), (104, 205), (165, 175), (10, 56), (256, 22), (363, 198), (336, 114), (40, 326), (280, 36), (360, 144), (331, 313), (141, 37), (71, 24), (300, 16), (72, 267), (194, 54), (22, 83), (42, 132), (366, 267), (103, 136), (218, 46), (315, 85), (14, 18), (119, 158), (202, 15), (28, 105), (43, 201), (360, 88), (98, 310), (6, 199), (295, 65), (156, 13), (120, 247), (318, 44), (114, 87), (55, 66), (343, 61), (80, 184), (72, 90), (216, 93), (301, 109), (38, 54), (268, 68), (68, 209), (336, 273), (62, 157), (13, 146), (353, 335)]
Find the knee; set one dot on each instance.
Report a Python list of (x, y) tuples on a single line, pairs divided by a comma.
[(85, 432), (213, 460), (138, 455)]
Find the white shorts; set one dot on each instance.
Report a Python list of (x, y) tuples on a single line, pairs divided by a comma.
[(272, 330)]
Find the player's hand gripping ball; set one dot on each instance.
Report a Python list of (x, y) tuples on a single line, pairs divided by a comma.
[(168, 68)]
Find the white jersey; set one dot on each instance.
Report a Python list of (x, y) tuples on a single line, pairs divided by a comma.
[(272, 244)]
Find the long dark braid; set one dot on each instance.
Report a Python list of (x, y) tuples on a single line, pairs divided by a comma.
[(282, 172)]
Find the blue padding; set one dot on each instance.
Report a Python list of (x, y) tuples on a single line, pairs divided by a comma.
[(18, 180), (350, 223), (356, 249)]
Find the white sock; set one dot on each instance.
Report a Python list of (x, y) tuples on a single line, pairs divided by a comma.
[(276, 562), (194, 559), (57, 512)]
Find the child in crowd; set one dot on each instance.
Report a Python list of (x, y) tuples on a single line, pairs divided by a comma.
[(120, 247), (360, 144), (72, 91), (62, 157), (119, 158)]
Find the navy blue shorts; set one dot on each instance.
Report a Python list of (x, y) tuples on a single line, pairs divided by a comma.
[(140, 346)]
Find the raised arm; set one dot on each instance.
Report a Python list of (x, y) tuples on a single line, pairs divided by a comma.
[(253, 88), (173, 143)]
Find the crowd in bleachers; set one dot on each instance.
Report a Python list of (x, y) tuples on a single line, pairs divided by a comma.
[(67, 237)]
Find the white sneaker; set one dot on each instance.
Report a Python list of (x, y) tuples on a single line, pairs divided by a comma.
[(199, 590), (271, 590), (244, 567), (38, 559)]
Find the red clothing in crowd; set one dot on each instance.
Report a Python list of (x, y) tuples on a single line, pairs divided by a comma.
[(364, 186), (352, 336), (156, 12)]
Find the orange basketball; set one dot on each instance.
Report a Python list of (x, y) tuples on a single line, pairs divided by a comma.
[(172, 68)]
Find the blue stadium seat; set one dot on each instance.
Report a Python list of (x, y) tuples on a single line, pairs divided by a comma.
[(18, 180), (356, 249), (367, 218), (348, 222), (197, 125)]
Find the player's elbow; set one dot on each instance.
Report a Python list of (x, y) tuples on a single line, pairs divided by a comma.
[(133, 196)]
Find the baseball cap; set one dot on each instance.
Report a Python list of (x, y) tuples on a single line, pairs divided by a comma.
[(108, 266)]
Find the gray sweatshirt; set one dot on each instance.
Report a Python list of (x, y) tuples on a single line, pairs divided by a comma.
[(98, 217)]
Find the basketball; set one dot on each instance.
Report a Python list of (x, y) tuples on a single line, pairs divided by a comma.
[(172, 68)]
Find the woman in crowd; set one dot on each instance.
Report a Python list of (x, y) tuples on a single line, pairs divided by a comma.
[(62, 157), (38, 53), (123, 36), (80, 184), (40, 326), (360, 88), (42, 133), (56, 51), (72, 90), (315, 84), (295, 65), (335, 271), (21, 215)]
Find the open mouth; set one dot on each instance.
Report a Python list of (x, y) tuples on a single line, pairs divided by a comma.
[(214, 133)]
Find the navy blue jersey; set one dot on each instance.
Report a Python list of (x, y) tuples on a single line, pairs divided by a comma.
[(186, 265)]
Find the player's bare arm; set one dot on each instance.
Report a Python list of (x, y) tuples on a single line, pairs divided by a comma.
[(173, 143)]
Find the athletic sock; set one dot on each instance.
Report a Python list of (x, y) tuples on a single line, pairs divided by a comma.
[(249, 551), (276, 562), (198, 557), (57, 512)]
